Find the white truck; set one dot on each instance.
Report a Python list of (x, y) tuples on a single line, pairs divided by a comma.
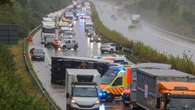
[(81, 89), (135, 19), (69, 43), (48, 33)]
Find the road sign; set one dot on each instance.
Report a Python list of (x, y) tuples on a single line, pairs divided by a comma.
[(8, 33)]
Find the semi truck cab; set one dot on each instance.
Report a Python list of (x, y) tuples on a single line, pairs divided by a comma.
[(176, 96)]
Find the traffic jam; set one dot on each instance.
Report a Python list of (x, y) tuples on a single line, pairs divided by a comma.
[(107, 78)]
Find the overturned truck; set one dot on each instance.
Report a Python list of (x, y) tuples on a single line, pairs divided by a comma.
[(60, 64)]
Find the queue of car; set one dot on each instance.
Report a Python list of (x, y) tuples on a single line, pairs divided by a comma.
[(90, 81)]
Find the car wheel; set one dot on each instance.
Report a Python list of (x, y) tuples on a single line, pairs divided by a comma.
[(43, 59), (64, 47), (109, 98), (111, 51), (45, 45)]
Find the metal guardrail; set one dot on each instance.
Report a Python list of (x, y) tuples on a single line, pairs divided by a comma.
[(32, 73)]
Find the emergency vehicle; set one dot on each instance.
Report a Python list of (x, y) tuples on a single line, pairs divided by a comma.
[(115, 58), (114, 82)]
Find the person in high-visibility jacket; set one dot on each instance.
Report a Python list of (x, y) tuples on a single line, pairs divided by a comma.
[(114, 82)]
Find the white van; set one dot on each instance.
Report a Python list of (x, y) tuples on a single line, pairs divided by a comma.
[(81, 88)]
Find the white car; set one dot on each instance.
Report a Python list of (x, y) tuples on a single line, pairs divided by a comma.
[(108, 47), (69, 44)]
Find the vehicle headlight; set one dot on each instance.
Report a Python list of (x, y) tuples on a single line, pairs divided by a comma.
[(97, 102), (73, 101)]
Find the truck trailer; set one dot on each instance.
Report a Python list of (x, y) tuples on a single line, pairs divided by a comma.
[(129, 94), (165, 89), (60, 64)]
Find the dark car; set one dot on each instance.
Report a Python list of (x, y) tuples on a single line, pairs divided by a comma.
[(37, 54)]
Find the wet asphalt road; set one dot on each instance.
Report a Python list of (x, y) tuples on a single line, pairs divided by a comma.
[(86, 49), (117, 19)]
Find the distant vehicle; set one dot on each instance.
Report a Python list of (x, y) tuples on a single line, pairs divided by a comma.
[(37, 54), (65, 24), (48, 33), (90, 31), (84, 15), (108, 47), (88, 24), (81, 89), (135, 19), (69, 44), (95, 38), (66, 32), (69, 15)]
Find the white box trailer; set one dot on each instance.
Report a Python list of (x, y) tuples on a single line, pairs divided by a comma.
[(48, 32)]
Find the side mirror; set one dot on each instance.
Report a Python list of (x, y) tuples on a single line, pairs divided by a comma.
[(158, 103)]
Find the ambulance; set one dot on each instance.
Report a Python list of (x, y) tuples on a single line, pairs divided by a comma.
[(114, 82)]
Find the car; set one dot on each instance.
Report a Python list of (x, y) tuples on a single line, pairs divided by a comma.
[(37, 54), (108, 47), (95, 38), (90, 31), (69, 43)]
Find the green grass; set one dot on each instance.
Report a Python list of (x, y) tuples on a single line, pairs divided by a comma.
[(17, 91), (140, 52)]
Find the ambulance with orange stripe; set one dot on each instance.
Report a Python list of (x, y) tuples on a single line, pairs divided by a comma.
[(114, 82)]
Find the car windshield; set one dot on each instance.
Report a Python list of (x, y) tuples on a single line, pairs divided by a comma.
[(84, 92), (181, 104), (108, 76), (38, 52)]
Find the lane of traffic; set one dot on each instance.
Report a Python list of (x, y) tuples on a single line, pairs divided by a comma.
[(151, 37)]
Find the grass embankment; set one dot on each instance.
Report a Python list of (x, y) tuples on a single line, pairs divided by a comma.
[(17, 91), (140, 52), (27, 14)]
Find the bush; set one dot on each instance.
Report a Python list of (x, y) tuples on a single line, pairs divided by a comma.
[(13, 92)]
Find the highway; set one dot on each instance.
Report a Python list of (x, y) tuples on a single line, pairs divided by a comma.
[(86, 49), (118, 19)]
